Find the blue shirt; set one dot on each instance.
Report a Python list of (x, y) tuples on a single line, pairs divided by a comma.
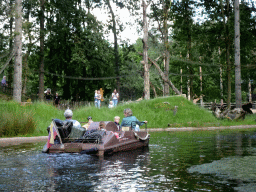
[(3, 82), (130, 122)]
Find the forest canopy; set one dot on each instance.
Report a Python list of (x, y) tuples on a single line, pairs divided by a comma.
[(190, 48)]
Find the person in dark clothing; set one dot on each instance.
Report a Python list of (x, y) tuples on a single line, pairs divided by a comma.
[(56, 100), (48, 95)]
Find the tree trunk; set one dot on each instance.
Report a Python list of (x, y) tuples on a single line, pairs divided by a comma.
[(17, 79), (227, 43), (25, 60), (250, 91), (221, 80), (41, 73), (166, 7), (164, 79), (154, 89), (181, 81), (115, 45), (10, 68), (228, 60), (237, 57), (190, 78), (145, 53), (201, 86)]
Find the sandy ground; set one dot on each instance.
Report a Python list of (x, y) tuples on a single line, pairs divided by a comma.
[(19, 140)]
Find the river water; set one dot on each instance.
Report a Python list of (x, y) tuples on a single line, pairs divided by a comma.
[(174, 161)]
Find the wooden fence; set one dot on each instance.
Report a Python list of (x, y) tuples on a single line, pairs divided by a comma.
[(208, 105)]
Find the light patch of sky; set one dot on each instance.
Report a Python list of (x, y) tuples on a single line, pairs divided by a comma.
[(132, 31), (130, 27)]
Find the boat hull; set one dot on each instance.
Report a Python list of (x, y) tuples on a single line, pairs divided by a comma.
[(130, 140)]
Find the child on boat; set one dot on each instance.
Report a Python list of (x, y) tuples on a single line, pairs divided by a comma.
[(116, 121)]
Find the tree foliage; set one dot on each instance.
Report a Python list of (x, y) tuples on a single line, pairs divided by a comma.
[(76, 48)]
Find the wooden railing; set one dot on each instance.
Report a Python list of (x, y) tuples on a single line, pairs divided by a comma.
[(208, 105)]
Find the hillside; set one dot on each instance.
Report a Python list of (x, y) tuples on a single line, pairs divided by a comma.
[(158, 112)]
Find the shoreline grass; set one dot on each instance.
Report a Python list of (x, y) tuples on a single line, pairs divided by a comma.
[(158, 112)]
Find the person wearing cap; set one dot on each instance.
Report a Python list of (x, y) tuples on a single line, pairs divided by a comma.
[(68, 115), (89, 122)]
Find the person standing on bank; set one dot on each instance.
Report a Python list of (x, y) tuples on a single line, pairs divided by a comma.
[(48, 95), (115, 97), (98, 99), (95, 99), (56, 100), (4, 83)]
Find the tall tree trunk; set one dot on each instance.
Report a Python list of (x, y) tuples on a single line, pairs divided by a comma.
[(227, 43), (250, 91), (25, 60), (166, 6), (229, 75), (115, 45), (17, 79), (145, 53), (41, 70), (237, 57), (190, 78), (221, 80), (181, 81), (10, 68), (201, 86)]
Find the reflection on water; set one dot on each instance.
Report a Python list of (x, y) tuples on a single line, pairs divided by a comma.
[(191, 161)]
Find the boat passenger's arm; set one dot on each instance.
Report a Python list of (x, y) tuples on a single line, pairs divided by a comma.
[(141, 122)]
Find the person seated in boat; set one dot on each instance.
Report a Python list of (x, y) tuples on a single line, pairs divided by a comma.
[(130, 121), (86, 126), (68, 115), (116, 121), (102, 126)]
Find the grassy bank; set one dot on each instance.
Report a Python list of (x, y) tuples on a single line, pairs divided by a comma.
[(158, 112)]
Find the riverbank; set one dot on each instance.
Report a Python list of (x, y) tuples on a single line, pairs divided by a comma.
[(19, 140), (164, 112)]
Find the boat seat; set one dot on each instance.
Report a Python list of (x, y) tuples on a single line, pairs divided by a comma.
[(126, 128), (111, 126), (65, 130)]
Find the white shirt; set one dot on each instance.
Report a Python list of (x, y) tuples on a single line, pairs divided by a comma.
[(114, 96), (110, 106)]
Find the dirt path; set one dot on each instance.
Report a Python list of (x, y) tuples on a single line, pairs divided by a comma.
[(20, 140)]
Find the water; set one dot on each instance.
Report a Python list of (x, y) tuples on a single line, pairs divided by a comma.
[(180, 161)]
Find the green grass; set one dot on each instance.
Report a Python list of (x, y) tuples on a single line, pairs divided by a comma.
[(158, 112)]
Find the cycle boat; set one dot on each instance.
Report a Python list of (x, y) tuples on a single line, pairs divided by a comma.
[(70, 139)]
